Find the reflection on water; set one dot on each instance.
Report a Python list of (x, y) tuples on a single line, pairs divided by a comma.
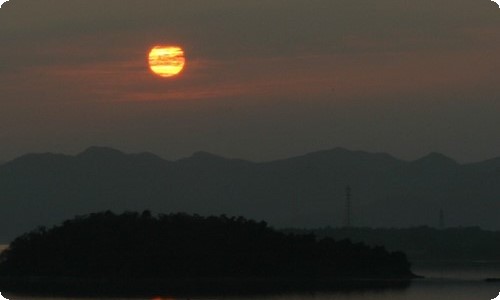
[(457, 281), (471, 270), (426, 289)]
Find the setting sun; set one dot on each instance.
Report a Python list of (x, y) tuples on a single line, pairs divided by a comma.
[(166, 61)]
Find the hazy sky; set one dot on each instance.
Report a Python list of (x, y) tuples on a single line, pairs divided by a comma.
[(264, 79)]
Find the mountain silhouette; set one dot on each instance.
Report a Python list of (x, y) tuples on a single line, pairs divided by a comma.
[(303, 191), (435, 161)]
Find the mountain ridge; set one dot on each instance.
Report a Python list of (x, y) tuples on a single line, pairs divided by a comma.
[(301, 191), (100, 150)]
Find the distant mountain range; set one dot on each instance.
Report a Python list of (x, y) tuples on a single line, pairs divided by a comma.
[(304, 191)]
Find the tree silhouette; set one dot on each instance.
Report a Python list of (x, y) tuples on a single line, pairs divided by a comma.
[(140, 245)]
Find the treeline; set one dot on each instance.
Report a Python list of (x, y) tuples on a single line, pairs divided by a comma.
[(422, 243), (140, 245)]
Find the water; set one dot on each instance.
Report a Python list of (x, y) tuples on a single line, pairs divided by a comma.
[(457, 281)]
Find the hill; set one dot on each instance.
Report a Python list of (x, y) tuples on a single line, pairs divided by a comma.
[(176, 248), (304, 191)]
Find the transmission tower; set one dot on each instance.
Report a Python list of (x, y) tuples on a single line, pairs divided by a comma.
[(348, 206), (441, 219)]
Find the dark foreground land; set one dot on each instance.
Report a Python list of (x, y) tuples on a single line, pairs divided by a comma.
[(134, 253)]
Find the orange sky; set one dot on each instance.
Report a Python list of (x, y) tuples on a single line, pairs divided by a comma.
[(264, 79)]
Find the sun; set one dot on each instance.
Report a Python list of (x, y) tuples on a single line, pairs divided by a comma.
[(166, 61)]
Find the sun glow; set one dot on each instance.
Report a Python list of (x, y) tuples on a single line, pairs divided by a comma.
[(166, 61)]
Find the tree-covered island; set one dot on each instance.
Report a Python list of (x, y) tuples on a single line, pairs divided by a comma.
[(139, 252)]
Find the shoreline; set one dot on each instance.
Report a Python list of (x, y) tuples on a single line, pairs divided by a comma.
[(193, 287)]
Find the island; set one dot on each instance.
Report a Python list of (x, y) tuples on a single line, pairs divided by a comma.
[(141, 253)]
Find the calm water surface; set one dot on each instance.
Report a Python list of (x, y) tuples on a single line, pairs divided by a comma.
[(454, 281)]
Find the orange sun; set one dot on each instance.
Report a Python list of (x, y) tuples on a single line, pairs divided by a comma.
[(166, 61)]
